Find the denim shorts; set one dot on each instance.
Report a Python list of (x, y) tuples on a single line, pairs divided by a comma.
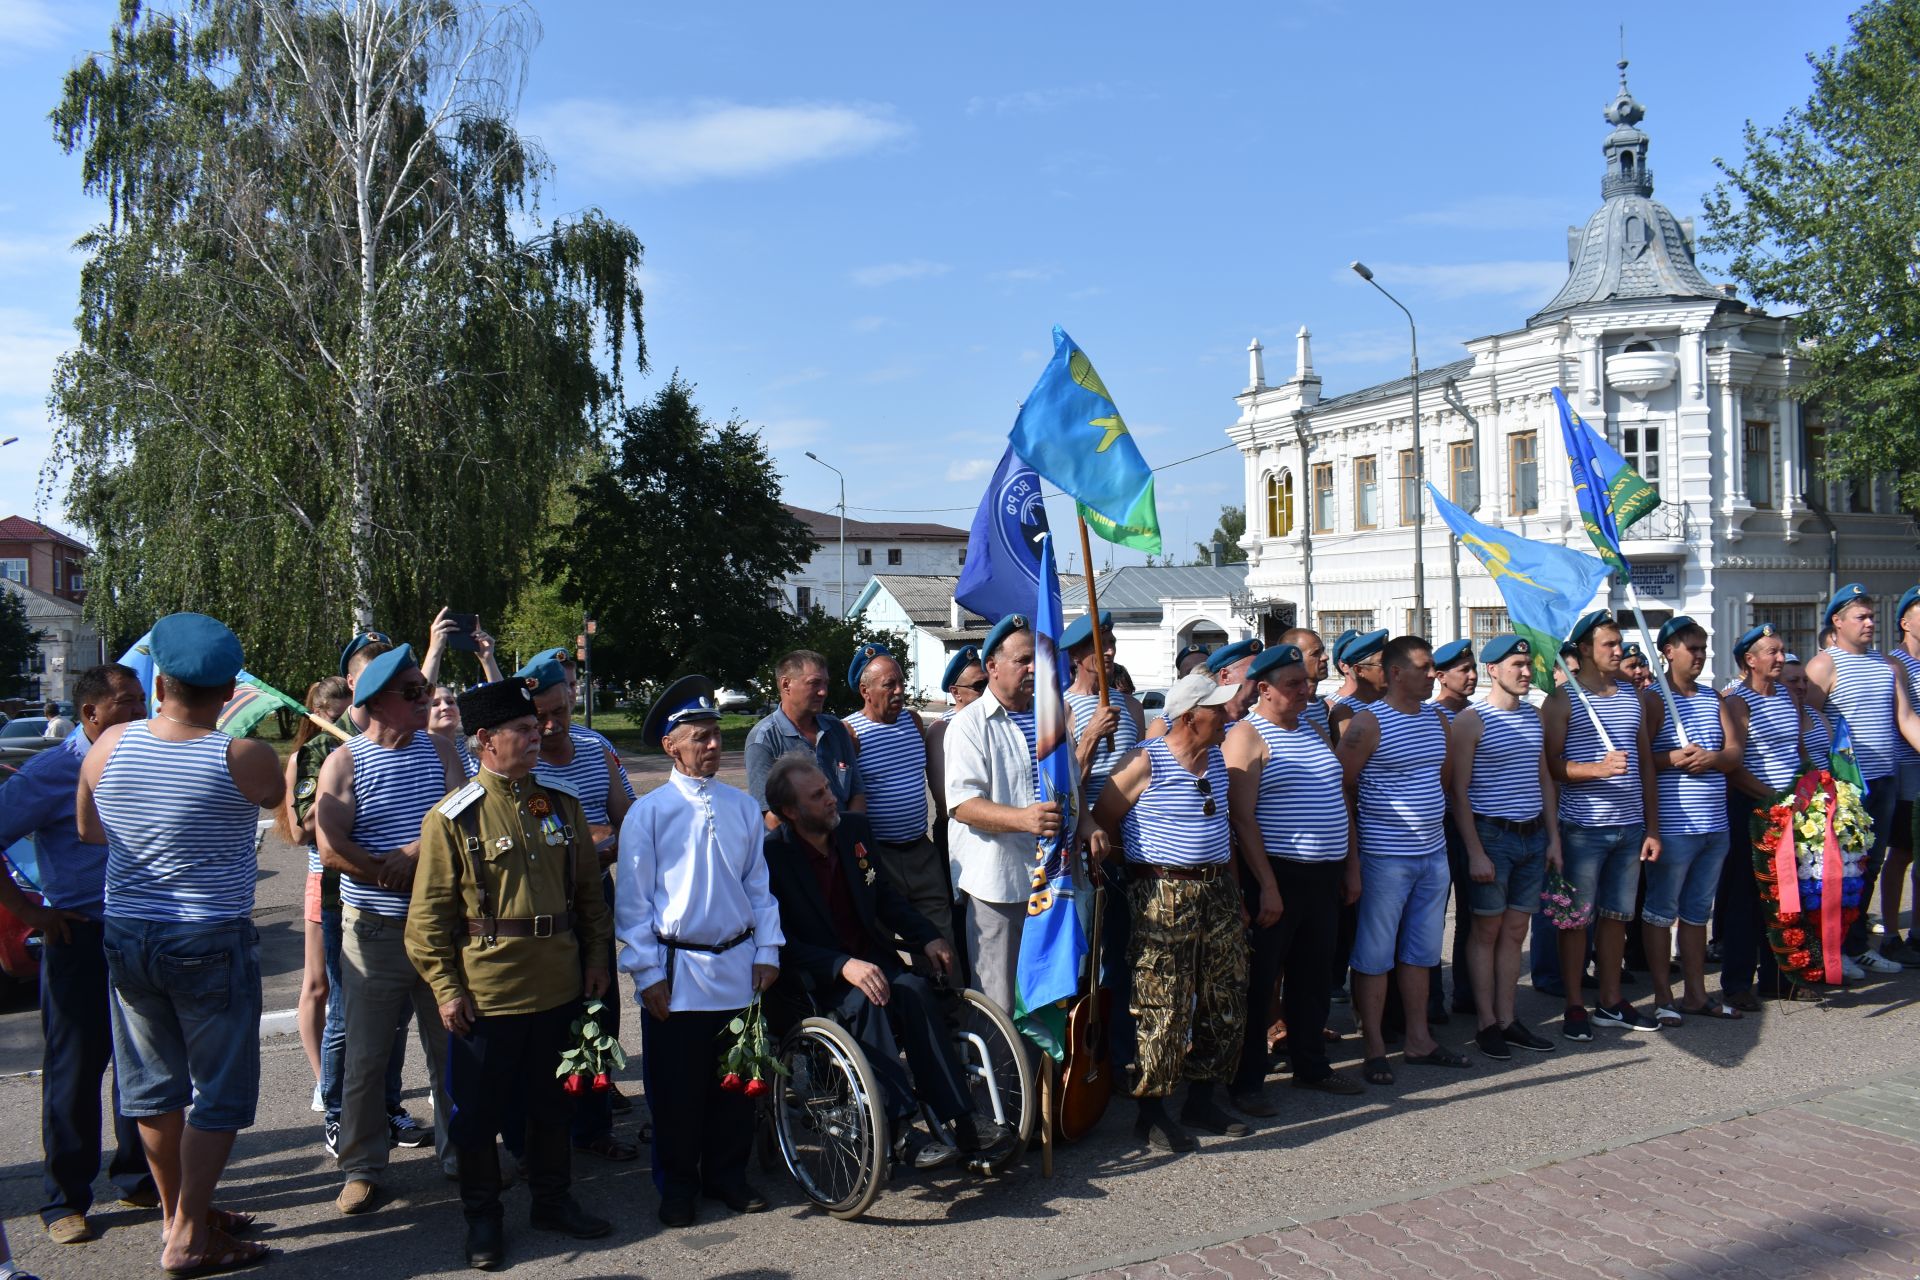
[(1604, 865), (1519, 871), (186, 1019), (1402, 911), (1683, 883)]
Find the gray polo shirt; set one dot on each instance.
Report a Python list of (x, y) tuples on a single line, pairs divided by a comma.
[(832, 750)]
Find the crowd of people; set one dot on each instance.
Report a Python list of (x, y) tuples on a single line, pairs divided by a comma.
[(480, 869)]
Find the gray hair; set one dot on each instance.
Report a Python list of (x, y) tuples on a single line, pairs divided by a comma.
[(783, 780)]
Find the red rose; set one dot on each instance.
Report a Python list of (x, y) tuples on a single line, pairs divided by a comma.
[(1799, 960), (1793, 937), (732, 1083), (1789, 917), (573, 1082), (756, 1088), (601, 1083)]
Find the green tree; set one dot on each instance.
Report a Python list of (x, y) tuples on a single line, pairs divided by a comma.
[(1822, 215), (835, 639), (1232, 526), (680, 546), (18, 641), (323, 337)]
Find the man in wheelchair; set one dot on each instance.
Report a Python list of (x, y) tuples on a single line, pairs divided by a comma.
[(840, 917)]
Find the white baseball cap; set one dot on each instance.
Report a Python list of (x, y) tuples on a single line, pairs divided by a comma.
[(1197, 689)]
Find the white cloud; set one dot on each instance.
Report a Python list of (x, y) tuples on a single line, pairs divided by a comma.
[(969, 469), (885, 273), (30, 24), (1470, 279), (707, 140)]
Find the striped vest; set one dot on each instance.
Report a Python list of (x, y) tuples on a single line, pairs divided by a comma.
[(1303, 805), (1024, 719), (1169, 824), (585, 775), (893, 769), (1692, 803), (1863, 693), (1505, 782), (1819, 739), (1316, 715), (1773, 734), (1606, 802), (1402, 807), (1126, 736), (1910, 668), (181, 839), (392, 791)]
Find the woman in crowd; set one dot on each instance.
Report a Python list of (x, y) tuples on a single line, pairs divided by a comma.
[(326, 699), (443, 722)]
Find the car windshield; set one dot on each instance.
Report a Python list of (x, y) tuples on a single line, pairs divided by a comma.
[(28, 727)]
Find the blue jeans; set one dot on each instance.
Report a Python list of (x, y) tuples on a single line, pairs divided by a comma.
[(1403, 912), (1682, 884), (1519, 871), (333, 1039), (186, 1019), (1604, 865)]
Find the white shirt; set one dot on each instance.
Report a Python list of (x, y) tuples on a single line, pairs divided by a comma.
[(692, 867), (987, 758)]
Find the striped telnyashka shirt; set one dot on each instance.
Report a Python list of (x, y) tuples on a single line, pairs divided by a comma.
[(181, 839)]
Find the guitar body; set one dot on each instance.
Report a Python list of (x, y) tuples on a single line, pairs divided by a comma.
[(1086, 1072)]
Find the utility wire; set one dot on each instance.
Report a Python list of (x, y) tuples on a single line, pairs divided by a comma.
[(931, 511)]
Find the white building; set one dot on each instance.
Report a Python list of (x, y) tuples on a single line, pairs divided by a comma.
[(1694, 387), (921, 607), (871, 548), (1160, 610), (68, 646)]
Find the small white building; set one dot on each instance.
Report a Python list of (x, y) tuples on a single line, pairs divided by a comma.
[(1159, 610), (872, 548), (921, 607), (68, 646), (1697, 389)]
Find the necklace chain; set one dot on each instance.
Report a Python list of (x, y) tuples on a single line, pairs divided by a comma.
[(191, 724)]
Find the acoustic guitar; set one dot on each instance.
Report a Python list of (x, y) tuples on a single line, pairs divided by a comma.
[(1086, 1073)]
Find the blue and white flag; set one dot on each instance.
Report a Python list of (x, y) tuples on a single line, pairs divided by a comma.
[(1002, 572)]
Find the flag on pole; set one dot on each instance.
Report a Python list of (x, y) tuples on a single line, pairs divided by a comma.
[(1611, 494), (1546, 587), (1070, 431), (1053, 946), (253, 700), (1841, 763), (139, 659), (1002, 571)]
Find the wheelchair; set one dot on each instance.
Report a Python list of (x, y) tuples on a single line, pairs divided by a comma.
[(828, 1115)]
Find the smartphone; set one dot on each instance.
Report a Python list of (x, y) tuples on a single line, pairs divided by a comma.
[(462, 637)]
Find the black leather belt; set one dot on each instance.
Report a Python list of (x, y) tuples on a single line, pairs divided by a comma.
[(710, 948), (901, 846), (1157, 871), (1511, 827), (524, 927)]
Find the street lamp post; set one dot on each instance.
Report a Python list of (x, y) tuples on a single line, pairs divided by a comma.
[(841, 591), (1419, 460)]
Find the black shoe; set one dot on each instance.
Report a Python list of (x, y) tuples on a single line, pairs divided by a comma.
[(741, 1199), (1520, 1037), (1252, 1103), (1161, 1131), (1437, 1015), (404, 1131), (1577, 1026), (330, 1135), (619, 1101), (1625, 1016), (915, 1150), (1493, 1044), (677, 1211), (1207, 1115), (486, 1244), (569, 1219)]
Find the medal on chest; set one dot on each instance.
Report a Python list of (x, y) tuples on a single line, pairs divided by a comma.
[(860, 856), (551, 830)]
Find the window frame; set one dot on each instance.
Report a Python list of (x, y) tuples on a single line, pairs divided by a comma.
[(1457, 450), (1409, 486), (1531, 437), (1763, 456), (896, 557), (1328, 491), (1371, 464)]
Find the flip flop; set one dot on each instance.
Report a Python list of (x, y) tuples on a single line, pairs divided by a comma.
[(1440, 1057), (1744, 1000), (223, 1254), (1713, 1009), (231, 1221), (1377, 1071), (1669, 1016)]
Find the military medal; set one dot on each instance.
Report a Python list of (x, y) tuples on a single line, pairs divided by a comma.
[(538, 807), (860, 856), (550, 828)]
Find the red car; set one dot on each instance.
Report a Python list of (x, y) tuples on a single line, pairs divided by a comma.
[(19, 945)]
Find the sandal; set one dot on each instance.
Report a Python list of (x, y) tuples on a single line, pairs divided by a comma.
[(1440, 1057), (608, 1147), (231, 1221), (1714, 1009), (1669, 1016), (223, 1254), (1745, 1001), (1377, 1071)]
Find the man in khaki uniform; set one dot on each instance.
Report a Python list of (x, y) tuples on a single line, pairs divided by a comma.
[(506, 901)]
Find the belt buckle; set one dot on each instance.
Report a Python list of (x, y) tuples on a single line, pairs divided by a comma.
[(543, 926)]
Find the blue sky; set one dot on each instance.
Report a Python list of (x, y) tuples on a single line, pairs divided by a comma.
[(861, 221)]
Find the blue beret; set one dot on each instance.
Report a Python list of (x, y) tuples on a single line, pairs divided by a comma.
[(375, 675), (1364, 645), (1339, 651), (1228, 654), (686, 700), (544, 674), (360, 642), (1672, 627), (1752, 637), (1001, 630), (861, 657), (1274, 657), (1451, 652), (555, 654), (1080, 630), (1908, 598), (1500, 648), (195, 649), (1631, 650), (959, 662), (1588, 623), (488, 706), (1843, 597)]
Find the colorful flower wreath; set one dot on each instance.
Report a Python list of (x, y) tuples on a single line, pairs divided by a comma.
[(1809, 839), (1561, 901)]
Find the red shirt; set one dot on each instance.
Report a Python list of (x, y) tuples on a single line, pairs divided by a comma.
[(831, 875)]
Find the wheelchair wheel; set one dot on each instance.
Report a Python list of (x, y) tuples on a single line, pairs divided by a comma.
[(830, 1118), (998, 1067)]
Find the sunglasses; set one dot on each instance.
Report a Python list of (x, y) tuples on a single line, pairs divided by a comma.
[(975, 686), (412, 692), (1205, 787)]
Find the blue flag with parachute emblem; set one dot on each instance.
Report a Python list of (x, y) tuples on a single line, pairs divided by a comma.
[(1003, 548)]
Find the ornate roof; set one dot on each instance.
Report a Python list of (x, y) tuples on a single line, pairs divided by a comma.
[(1633, 247)]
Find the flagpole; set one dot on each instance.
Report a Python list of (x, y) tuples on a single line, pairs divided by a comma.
[(1653, 651), (330, 727), (1581, 697), (1093, 616)]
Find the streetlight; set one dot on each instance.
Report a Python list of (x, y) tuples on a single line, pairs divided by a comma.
[(1419, 461), (9, 440), (842, 590)]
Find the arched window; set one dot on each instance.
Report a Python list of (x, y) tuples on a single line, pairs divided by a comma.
[(1279, 504)]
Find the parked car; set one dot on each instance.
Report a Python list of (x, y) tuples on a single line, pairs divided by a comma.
[(734, 701), (19, 945), (24, 736), (1153, 699)]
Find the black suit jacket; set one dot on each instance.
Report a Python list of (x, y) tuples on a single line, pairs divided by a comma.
[(813, 953)]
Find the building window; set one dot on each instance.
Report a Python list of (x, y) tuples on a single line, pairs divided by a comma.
[(1523, 473), (1794, 622), (14, 569), (1323, 497), (802, 599), (1366, 493), (963, 555), (1640, 445), (863, 556), (76, 582), (893, 556), (1333, 622), (1279, 504), (1419, 624), (1759, 458), (1484, 624), (1813, 480), (58, 565), (1463, 483), (1409, 486)]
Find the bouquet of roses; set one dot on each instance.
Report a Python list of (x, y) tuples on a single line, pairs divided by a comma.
[(1561, 901), (749, 1061), (1810, 848), (594, 1054)]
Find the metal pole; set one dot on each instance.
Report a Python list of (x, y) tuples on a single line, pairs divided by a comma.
[(1303, 489), (1450, 392), (1419, 458), (841, 591)]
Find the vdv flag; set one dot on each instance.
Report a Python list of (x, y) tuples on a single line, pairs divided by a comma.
[(1611, 494), (1841, 763), (253, 700), (1546, 587), (139, 659), (1002, 571), (1070, 431), (1053, 946)]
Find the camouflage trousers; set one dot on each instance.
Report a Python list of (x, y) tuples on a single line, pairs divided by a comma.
[(1188, 953)]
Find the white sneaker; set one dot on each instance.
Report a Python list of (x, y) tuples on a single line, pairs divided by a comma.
[(1874, 962), (1850, 970), (318, 1104)]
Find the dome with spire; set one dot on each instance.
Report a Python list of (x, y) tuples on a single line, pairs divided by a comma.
[(1632, 247)]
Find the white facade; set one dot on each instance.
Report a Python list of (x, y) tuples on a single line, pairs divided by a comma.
[(1160, 610), (920, 607), (68, 646), (872, 549), (1694, 387)]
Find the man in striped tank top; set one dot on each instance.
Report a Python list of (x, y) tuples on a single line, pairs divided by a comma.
[(374, 793), (1609, 816), (1228, 666), (1862, 684), (1188, 950), (1764, 720), (1458, 679), (1393, 756), (1313, 654), (1298, 862), (1366, 675), (1893, 880), (891, 755), (1502, 805), (176, 802)]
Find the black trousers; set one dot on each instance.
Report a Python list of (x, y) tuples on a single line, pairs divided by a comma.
[(1299, 944), (593, 1112), (76, 1024), (502, 1057), (911, 1020), (702, 1135), (1737, 914)]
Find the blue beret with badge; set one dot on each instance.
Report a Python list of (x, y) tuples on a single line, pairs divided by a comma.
[(1339, 651), (1632, 652), (959, 662), (555, 654), (861, 657), (1843, 597), (1908, 598), (1364, 645), (1752, 637), (1500, 648), (1001, 630), (1672, 627), (1228, 654), (195, 650), (376, 675), (1273, 658), (1587, 623), (542, 675), (688, 700), (1080, 630), (1452, 653), (488, 706), (360, 642)]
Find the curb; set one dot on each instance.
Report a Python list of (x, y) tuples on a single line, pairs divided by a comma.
[(1274, 1226)]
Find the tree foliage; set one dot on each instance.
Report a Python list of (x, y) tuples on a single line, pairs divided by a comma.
[(1822, 215), (327, 352), (18, 641), (680, 545), (1232, 526)]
